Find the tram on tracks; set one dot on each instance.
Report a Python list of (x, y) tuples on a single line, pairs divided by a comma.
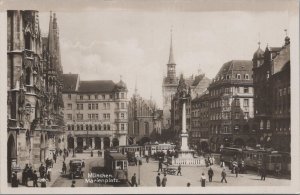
[(255, 158), (116, 164)]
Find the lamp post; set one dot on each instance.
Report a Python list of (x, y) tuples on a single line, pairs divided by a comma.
[(74, 155), (139, 181)]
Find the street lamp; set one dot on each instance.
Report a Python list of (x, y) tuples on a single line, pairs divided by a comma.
[(139, 181)]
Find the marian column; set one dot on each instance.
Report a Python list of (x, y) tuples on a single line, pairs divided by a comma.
[(184, 135)]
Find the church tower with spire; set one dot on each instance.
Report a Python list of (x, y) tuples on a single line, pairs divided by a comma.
[(169, 87)]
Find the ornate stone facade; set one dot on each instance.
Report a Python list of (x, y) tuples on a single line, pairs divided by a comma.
[(35, 123)]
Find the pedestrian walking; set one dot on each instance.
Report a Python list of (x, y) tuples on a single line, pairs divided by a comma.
[(83, 164), (42, 171), (203, 179), (164, 181), (158, 182), (237, 170), (188, 184), (92, 153), (179, 170), (133, 180), (223, 175), (54, 157), (263, 173), (222, 165), (14, 181), (73, 183), (135, 161), (34, 179), (159, 166), (64, 168), (49, 173), (25, 175), (210, 174)]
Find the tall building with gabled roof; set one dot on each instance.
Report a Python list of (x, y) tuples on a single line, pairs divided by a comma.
[(95, 112)]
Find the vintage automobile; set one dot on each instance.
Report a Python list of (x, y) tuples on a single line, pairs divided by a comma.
[(75, 168)]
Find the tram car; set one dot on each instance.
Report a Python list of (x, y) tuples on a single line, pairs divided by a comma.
[(256, 158), (151, 149), (116, 164)]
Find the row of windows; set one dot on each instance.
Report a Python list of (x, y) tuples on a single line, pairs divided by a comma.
[(90, 116), (229, 90), (227, 77), (227, 116), (284, 91), (95, 127), (225, 102), (95, 106), (200, 114), (98, 97), (279, 126)]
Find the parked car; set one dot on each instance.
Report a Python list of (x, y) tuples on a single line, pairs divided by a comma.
[(76, 168)]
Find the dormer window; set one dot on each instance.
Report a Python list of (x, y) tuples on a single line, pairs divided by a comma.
[(246, 76), (238, 76)]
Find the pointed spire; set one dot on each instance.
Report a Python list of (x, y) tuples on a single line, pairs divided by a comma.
[(171, 57), (51, 36), (135, 87)]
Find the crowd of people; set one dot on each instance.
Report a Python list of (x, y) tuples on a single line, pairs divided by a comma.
[(44, 170)]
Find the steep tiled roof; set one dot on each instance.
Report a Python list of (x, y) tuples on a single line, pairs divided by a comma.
[(198, 79), (234, 66), (69, 82), (96, 86)]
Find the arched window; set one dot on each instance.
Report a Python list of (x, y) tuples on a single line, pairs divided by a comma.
[(72, 127), (91, 127), (238, 76), (28, 76), (96, 127), (27, 41), (99, 127), (86, 127), (108, 127), (261, 126), (268, 125), (104, 127)]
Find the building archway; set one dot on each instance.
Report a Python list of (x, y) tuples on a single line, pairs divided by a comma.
[(115, 142), (97, 143), (79, 142), (239, 142), (251, 142), (144, 140), (71, 142), (11, 155), (106, 142), (204, 146)]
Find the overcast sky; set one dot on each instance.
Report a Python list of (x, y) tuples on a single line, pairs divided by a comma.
[(135, 44)]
